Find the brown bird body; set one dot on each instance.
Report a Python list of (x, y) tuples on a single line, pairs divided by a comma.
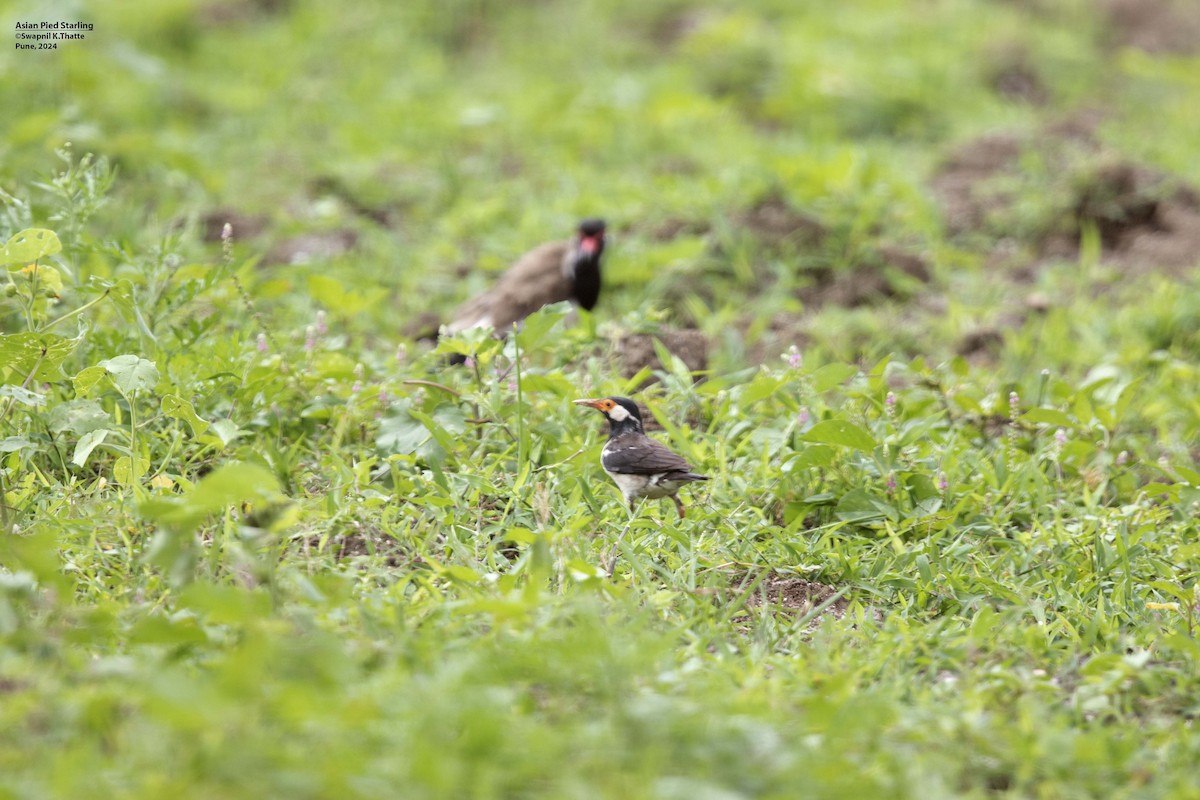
[(550, 273), (640, 466)]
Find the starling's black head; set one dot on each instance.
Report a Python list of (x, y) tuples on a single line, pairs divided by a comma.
[(622, 412), (585, 263), (593, 226)]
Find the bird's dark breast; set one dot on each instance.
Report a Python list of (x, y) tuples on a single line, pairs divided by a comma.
[(586, 289)]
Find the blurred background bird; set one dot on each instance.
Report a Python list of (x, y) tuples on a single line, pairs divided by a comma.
[(550, 273)]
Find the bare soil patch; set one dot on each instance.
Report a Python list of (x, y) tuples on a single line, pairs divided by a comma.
[(1146, 220), (315, 246), (636, 350), (795, 597), (1159, 27)]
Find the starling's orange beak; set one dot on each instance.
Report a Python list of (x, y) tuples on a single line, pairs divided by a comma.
[(596, 404)]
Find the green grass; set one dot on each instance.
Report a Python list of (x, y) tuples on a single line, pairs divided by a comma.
[(250, 551)]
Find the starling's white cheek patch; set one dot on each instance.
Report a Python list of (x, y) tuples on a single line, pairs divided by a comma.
[(618, 413)]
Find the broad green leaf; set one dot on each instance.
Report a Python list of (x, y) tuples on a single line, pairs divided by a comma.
[(227, 431), (176, 407), (1191, 476), (1171, 491), (21, 353), (1101, 664), (1180, 593), (579, 570), (521, 535), (923, 488), (923, 568), (1048, 416), (12, 444), (123, 474), (22, 395), (861, 507), (764, 385), (159, 629), (1125, 399), (232, 483), (39, 555), (468, 342), (333, 365), (814, 455), (831, 375), (86, 379), (553, 383), (225, 605), (226, 486), (409, 431), (842, 433), (330, 293), (326, 289), (460, 573), (1115, 402), (131, 373), (967, 403), (1083, 408), (86, 444), (533, 332), (30, 245), (78, 416), (45, 277), (434, 424), (927, 507), (401, 433), (764, 439), (1077, 451)]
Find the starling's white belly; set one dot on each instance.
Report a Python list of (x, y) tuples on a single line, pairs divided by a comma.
[(652, 486)]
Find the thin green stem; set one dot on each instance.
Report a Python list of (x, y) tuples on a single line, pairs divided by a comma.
[(522, 446), (79, 310)]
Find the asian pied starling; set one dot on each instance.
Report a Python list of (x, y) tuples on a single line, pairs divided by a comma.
[(641, 466)]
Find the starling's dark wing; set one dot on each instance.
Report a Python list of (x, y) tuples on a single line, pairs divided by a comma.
[(535, 280), (641, 455)]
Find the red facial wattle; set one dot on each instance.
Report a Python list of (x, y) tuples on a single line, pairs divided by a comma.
[(589, 244)]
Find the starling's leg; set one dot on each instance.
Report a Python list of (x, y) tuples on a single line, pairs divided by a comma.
[(678, 505)]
